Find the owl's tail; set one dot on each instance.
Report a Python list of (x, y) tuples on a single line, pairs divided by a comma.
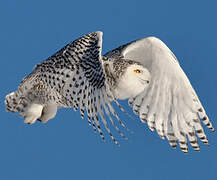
[(30, 109), (14, 102)]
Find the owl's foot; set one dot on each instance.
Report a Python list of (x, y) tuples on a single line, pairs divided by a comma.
[(49, 112), (32, 113)]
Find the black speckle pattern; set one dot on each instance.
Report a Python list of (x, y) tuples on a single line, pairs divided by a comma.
[(73, 77)]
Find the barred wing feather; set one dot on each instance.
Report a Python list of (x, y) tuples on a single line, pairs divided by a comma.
[(72, 77)]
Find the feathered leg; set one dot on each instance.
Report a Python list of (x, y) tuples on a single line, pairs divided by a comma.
[(48, 112), (32, 113)]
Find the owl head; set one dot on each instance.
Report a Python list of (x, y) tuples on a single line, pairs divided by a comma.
[(132, 79)]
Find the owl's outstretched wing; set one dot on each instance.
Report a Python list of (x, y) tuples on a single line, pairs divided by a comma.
[(169, 104), (72, 77)]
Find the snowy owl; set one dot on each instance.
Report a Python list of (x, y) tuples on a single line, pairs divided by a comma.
[(144, 71)]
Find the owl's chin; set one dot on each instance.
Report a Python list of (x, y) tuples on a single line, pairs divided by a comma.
[(128, 89)]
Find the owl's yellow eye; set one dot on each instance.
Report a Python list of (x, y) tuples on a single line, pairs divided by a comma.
[(137, 71)]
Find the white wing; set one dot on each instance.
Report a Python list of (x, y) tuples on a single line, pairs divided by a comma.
[(170, 104)]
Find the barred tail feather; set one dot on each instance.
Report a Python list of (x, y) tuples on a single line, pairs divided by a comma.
[(30, 110), (15, 102)]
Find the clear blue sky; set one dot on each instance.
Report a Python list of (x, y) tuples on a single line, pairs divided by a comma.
[(66, 147)]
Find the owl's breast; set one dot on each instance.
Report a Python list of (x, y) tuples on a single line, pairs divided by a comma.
[(128, 87)]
